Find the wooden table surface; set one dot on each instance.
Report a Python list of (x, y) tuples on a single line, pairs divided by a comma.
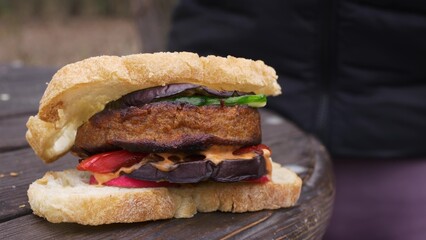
[(20, 91)]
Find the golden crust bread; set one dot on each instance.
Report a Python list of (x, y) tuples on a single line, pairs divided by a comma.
[(66, 197), (79, 90)]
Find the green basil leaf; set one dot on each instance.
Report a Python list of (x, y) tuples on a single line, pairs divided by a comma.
[(250, 100)]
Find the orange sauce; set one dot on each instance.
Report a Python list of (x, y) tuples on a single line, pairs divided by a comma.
[(216, 154)]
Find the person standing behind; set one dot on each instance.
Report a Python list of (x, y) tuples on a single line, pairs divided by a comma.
[(354, 75)]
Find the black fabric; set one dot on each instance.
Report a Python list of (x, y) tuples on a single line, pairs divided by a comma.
[(353, 72)]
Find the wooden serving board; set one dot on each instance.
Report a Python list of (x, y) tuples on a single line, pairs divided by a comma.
[(20, 92)]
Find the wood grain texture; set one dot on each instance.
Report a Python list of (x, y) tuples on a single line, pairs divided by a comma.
[(290, 146), (13, 131), (18, 169), (21, 89)]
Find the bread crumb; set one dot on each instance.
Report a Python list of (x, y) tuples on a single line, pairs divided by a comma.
[(4, 96), (13, 186), (1, 175), (22, 206), (42, 181), (13, 174)]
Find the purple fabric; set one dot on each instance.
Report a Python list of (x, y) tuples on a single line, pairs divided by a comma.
[(379, 200)]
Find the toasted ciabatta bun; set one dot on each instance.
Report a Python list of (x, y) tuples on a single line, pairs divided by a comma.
[(67, 197), (79, 90)]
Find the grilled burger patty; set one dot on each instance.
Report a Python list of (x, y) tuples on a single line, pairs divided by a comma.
[(168, 127)]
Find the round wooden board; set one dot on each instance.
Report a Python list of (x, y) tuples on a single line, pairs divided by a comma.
[(291, 147), (307, 220)]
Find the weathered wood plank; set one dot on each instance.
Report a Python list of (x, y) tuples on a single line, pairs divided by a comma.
[(27, 168), (308, 219), (202, 226), (13, 130), (21, 89)]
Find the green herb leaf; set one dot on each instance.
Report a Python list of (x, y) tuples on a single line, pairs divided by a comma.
[(250, 100)]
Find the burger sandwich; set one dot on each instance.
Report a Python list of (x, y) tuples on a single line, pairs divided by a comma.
[(156, 136)]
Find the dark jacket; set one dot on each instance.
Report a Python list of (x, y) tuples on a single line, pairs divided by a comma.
[(353, 72)]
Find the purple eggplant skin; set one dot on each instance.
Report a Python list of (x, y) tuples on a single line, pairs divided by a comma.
[(145, 96), (205, 170)]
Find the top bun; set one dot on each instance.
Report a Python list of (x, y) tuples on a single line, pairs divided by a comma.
[(79, 90)]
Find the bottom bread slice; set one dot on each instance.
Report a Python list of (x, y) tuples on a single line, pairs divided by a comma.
[(67, 197)]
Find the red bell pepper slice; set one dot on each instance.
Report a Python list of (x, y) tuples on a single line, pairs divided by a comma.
[(263, 179), (110, 162), (128, 182)]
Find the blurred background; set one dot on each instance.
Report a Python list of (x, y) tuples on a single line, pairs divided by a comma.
[(54, 33), (354, 73)]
